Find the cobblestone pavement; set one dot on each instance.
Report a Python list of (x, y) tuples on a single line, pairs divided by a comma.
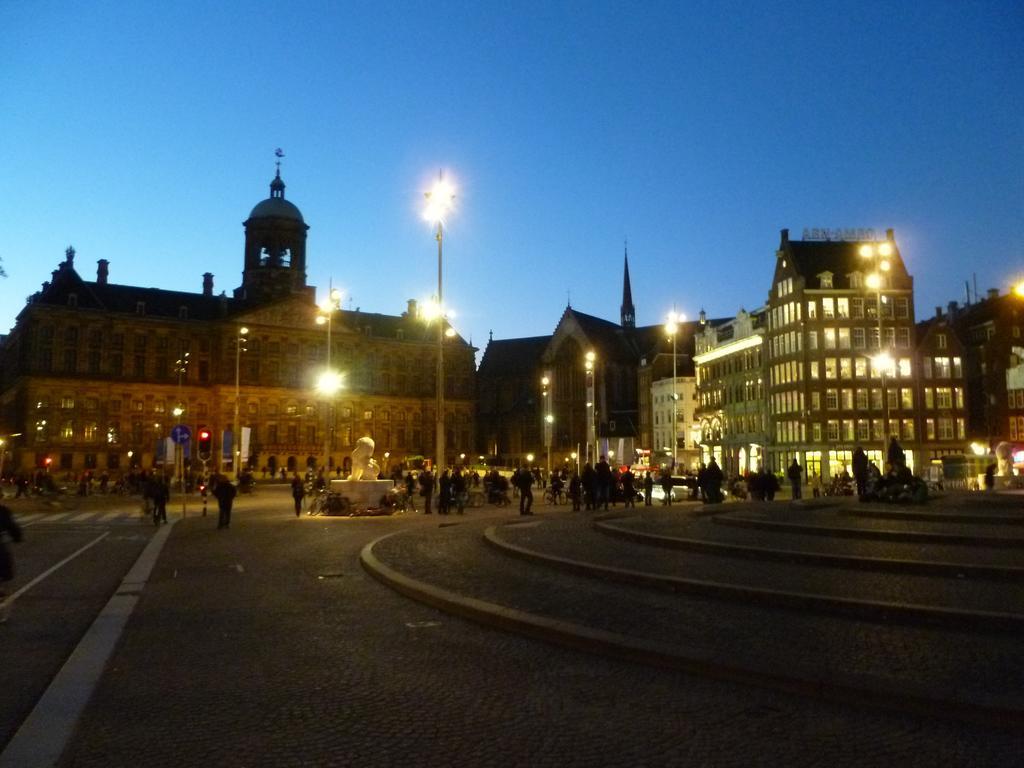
[(267, 645)]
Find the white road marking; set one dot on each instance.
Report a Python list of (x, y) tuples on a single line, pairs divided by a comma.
[(15, 595), (239, 568), (80, 516)]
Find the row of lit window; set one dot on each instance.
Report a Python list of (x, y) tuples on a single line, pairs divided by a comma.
[(842, 307), (1015, 398)]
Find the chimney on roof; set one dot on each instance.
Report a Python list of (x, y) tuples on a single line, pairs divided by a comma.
[(410, 309), (207, 284), (784, 238), (890, 235), (993, 293), (952, 307), (938, 313), (102, 270)]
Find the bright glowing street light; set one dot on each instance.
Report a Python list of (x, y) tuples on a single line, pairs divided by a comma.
[(1019, 289), (588, 364), (329, 382), (440, 202), (671, 327)]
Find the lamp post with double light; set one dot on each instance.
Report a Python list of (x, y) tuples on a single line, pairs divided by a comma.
[(885, 364), (672, 328), (329, 381), (588, 365), (549, 420), (440, 200), (878, 254), (181, 369), (236, 429)]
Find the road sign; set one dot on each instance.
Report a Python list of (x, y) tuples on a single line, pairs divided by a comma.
[(181, 434)]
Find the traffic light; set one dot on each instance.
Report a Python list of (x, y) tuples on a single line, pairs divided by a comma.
[(205, 444)]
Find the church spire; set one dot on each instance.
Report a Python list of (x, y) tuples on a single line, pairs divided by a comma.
[(627, 312)]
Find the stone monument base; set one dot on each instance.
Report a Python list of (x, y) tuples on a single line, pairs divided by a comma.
[(362, 493)]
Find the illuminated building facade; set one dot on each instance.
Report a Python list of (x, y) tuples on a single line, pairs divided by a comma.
[(93, 372)]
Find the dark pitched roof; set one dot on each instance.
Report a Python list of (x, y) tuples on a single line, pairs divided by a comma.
[(513, 357), (109, 297), (840, 257)]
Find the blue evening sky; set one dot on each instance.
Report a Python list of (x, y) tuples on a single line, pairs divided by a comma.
[(144, 132)]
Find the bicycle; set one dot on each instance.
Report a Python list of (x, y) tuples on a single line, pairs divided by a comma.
[(329, 503), (551, 496)]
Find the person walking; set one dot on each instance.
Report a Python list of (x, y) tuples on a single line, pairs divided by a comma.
[(459, 491), (161, 493), (589, 487), (444, 493), (795, 475), (627, 479), (860, 471), (524, 481), (575, 491), (426, 489), (298, 493), (604, 482), (648, 488), (9, 528), (225, 493), (666, 487)]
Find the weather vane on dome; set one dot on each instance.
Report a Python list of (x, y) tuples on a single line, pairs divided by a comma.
[(278, 153)]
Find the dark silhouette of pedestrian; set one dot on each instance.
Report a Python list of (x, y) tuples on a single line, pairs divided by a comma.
[(298, 493), (444, 494), (648, 488), (604, 482), (427, 489), (990, 477), (897, 458), (7, 528), (666, 487), (860, 471), (627, 479), (795, 475), (713, 482), (575, 491), (524, 482), (589, 487), (225, 492)]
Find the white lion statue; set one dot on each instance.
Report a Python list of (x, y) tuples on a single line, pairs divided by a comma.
[(362, 460), (1004, 460)]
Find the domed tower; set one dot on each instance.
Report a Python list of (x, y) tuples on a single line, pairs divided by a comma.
[(275, 249)]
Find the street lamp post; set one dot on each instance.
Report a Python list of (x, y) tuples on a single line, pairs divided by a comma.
[(181, 369), (236, 436), (439, 202), (671, 328), (588, 365), (879, 254), (548, 420), (329, 382)]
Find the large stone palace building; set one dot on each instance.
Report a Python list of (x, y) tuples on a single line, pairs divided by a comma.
[(95, 375)]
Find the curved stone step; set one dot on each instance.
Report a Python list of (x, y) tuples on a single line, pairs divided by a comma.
[(448, 572), (728, 549), (792, 586), (862, 533)]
